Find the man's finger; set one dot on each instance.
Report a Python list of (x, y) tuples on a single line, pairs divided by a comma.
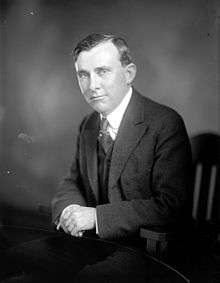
[(64, 228), (74, 230), (70, 220), (71, 226), (66, 214)]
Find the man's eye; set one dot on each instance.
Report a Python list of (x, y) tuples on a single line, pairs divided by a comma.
[(82, 75), (102, 72)]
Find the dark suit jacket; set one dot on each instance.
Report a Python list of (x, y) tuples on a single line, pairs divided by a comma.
[(149, 173)]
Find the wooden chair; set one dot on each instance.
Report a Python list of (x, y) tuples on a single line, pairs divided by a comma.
[(206, 198)]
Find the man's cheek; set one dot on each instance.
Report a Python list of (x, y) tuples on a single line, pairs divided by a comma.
[(83, 86), (85, 94)]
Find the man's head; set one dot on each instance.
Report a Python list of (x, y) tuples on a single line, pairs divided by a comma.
[(105, 70)]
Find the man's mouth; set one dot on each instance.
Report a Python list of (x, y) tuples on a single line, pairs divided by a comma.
[(96, 97)]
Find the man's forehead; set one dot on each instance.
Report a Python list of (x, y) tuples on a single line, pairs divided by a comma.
[(101, 53)]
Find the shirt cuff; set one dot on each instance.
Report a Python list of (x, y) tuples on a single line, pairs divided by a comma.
[(96, 224)]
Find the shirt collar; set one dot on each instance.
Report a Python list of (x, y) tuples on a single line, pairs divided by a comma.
[(115, 117)]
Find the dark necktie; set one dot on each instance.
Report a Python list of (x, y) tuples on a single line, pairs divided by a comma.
[(104, 136)]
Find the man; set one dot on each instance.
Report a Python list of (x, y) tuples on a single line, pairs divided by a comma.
[(130, 169), (142, 178)]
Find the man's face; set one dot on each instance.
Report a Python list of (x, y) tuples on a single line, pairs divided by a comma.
[(102, 78)]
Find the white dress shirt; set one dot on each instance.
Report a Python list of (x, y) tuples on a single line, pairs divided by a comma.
[(115, 117)]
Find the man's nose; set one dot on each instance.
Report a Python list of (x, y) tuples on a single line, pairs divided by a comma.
[(94, 81)]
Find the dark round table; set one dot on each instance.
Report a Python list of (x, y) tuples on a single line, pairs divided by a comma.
[(39, 255)]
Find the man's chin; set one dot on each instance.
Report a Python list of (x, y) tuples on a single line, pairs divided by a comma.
[(99, 106)]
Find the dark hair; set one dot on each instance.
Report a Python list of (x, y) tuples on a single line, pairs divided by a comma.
[(95, 39)]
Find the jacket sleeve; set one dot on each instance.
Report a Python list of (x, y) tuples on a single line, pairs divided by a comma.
[(70, 189), (170, 181)]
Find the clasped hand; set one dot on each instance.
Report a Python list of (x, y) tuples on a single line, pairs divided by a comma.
[(75, 219)]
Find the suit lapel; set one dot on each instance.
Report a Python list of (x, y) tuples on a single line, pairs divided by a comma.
[(130, 132), (91, 134)]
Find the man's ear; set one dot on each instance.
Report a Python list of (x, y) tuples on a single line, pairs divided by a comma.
[(130, 72)]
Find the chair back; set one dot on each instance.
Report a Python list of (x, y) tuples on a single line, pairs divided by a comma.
[(206, 160)]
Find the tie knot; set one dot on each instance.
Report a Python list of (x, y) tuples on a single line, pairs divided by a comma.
[(104, 125), (104, 137)]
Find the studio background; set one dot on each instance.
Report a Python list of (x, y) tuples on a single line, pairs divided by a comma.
[(176, 49)]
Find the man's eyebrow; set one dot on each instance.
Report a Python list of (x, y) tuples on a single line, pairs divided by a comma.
[(103, 68), (82, 72)]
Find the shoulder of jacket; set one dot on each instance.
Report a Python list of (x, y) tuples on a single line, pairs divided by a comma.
[(88, 121), (157, 113)]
